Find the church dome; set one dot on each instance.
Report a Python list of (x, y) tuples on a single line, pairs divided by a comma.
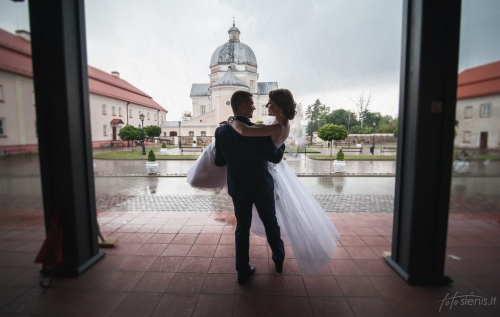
[(233, 51)]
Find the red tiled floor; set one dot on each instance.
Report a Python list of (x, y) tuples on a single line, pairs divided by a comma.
[(330, 306), (122, 281), (208, 238), (173, 272), (152, 249), (138, 305), (186, 283), (214, 306), (195, 265), (168, 264), (176, 250), (219, 284), (356, 286), (185, 238), (291, 306), (154, 282), (203, 250), (174, 305), (322, 286)]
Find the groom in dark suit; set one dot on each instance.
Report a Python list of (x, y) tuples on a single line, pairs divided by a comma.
[(249, 182)]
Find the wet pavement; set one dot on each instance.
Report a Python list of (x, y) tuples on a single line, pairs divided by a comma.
[(123, 186)]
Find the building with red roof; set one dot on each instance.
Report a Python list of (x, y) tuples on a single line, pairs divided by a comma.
[(113, 101), (478, 107)]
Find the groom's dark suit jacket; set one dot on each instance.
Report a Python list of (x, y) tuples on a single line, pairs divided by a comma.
[(246, 158)]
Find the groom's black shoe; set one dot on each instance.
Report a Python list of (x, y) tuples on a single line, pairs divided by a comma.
[(279, 266), (243, 276)]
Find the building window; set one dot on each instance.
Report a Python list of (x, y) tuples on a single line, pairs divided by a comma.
[(164, 133), (251, 86), (203, 109), (113, 110), (130, 113), (147, 115), (2, 126), (466, 137), (1, 94), (203, 133), (191, 133), (105, 130), (120, 111), (468, 112), (264, 110), (103, 109), (486, 110), (155, 116)]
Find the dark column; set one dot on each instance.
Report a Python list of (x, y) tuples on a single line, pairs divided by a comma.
[(63, 120), (428, 87)]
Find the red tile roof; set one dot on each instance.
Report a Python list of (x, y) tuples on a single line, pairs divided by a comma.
[(479, 81), (15, 57)]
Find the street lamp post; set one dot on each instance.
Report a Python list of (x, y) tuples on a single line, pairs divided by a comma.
[(373, 139), (143, 147), (180, 144)]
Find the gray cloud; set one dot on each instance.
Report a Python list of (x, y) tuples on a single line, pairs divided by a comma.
[(331, 50)]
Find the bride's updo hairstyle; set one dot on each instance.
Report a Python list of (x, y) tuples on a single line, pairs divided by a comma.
[(283, 98)]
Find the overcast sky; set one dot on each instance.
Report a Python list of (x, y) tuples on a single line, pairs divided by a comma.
[(330, 50)]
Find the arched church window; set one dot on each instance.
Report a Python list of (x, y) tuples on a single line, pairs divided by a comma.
[(203, 109), (264, 110)]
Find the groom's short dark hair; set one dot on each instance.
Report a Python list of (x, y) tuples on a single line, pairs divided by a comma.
[(238, 97)]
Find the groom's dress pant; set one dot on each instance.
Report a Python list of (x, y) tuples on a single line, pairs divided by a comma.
[(267, 213)]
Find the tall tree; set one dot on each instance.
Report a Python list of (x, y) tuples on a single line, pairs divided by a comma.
[(342, 117), (313, 112), (362, 104)]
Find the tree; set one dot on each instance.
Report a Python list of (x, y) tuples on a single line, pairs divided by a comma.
[(330, 132), (362, 104), (343, 117), (185, 115), (313, 113), (130, 133), (152, 131)]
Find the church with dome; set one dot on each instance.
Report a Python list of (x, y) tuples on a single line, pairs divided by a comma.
[(233, 67)]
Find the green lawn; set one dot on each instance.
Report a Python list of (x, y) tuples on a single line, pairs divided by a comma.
[(137, 155), (354, 157)]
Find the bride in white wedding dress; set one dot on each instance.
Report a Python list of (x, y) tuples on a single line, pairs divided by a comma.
[(303, 223)]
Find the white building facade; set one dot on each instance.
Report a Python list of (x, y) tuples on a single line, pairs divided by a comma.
[(113, 101), (478, 108)]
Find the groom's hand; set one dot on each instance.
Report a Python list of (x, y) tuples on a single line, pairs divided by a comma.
[(276, 154)]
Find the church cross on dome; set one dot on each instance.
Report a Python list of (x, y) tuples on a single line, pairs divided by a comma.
[(233, 19)]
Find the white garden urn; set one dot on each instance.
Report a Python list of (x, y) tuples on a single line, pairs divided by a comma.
[(163, 151), (358, 145), (461, 166), (338, 166), (152, 167)]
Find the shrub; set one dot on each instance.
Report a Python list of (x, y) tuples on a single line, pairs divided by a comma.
[(194, 141), (164, 145), (151, 156), (340, 156), (359, 141)]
